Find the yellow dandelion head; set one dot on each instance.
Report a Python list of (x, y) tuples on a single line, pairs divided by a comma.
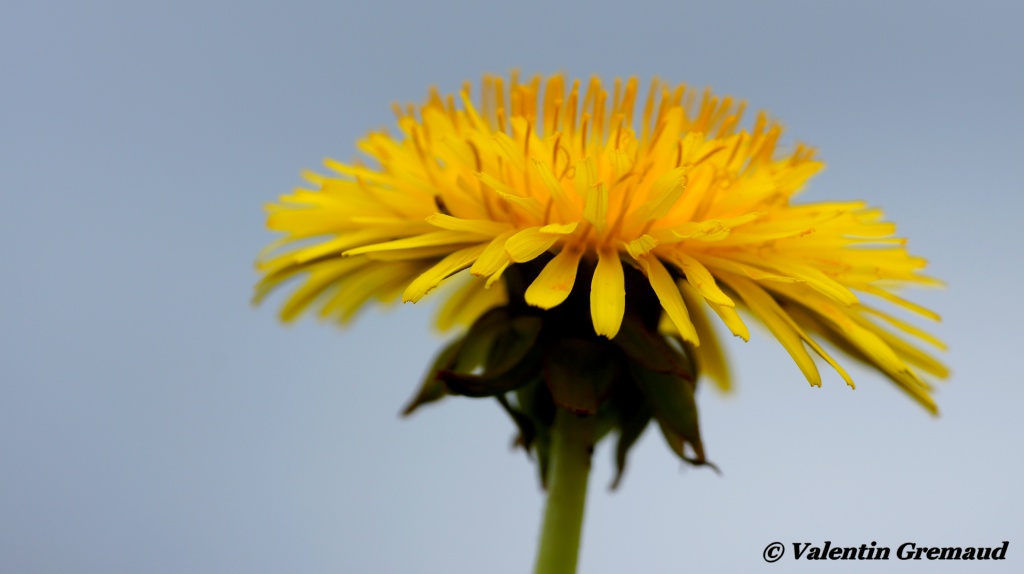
[(579, 188)]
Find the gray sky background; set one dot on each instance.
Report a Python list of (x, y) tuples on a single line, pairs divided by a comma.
[(151, 421)]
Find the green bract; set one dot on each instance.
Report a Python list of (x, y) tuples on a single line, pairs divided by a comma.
[(535, 361)]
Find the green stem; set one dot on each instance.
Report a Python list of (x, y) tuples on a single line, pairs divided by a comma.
[(572, 443)]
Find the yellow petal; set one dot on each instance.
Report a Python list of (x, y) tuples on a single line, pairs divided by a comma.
[(668, 294), (585, 177), (710, 357), (906, 380), (732, 320), (469, 302), (409, 254), (474, 116), (321, 278), (639, 247), (481, 226), (529, 243), (906, 351), (564, 206), (528, 205), (446, 268), (664, 193), (497, 185), (596, 209), (554, 283), (373, 281), (560, 228), (431, 239), (805, 274), (822, 353), (511, 151), (764, 308), (867, 339), (893, 298), (735, 267), (701, 279), (497, 274), (608, 293), (905, 327), (331, 248), (493, 257), (713, 229)]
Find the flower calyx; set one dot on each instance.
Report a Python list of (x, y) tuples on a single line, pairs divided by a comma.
[(534, 362)]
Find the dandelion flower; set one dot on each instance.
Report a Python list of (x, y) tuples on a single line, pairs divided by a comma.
[(700, 206), (587, 235)]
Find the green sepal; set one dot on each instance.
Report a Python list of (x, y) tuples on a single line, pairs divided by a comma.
[(675, 408), (607, 421), (526, 426), (511, 357), (677, 443), (480, 338), (513, 344), (580, 372), (634, 414), (490, 385), (651, 349), (688, 353), (433, 388), (534, 401)]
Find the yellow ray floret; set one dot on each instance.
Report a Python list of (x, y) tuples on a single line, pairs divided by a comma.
[(567, 180)]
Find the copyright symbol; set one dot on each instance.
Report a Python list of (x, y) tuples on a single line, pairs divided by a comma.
[(774, 551)]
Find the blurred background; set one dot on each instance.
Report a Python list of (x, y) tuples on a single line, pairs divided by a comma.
[(152, 421)]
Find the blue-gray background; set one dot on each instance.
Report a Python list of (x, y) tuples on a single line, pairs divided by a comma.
[(152, 421)]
